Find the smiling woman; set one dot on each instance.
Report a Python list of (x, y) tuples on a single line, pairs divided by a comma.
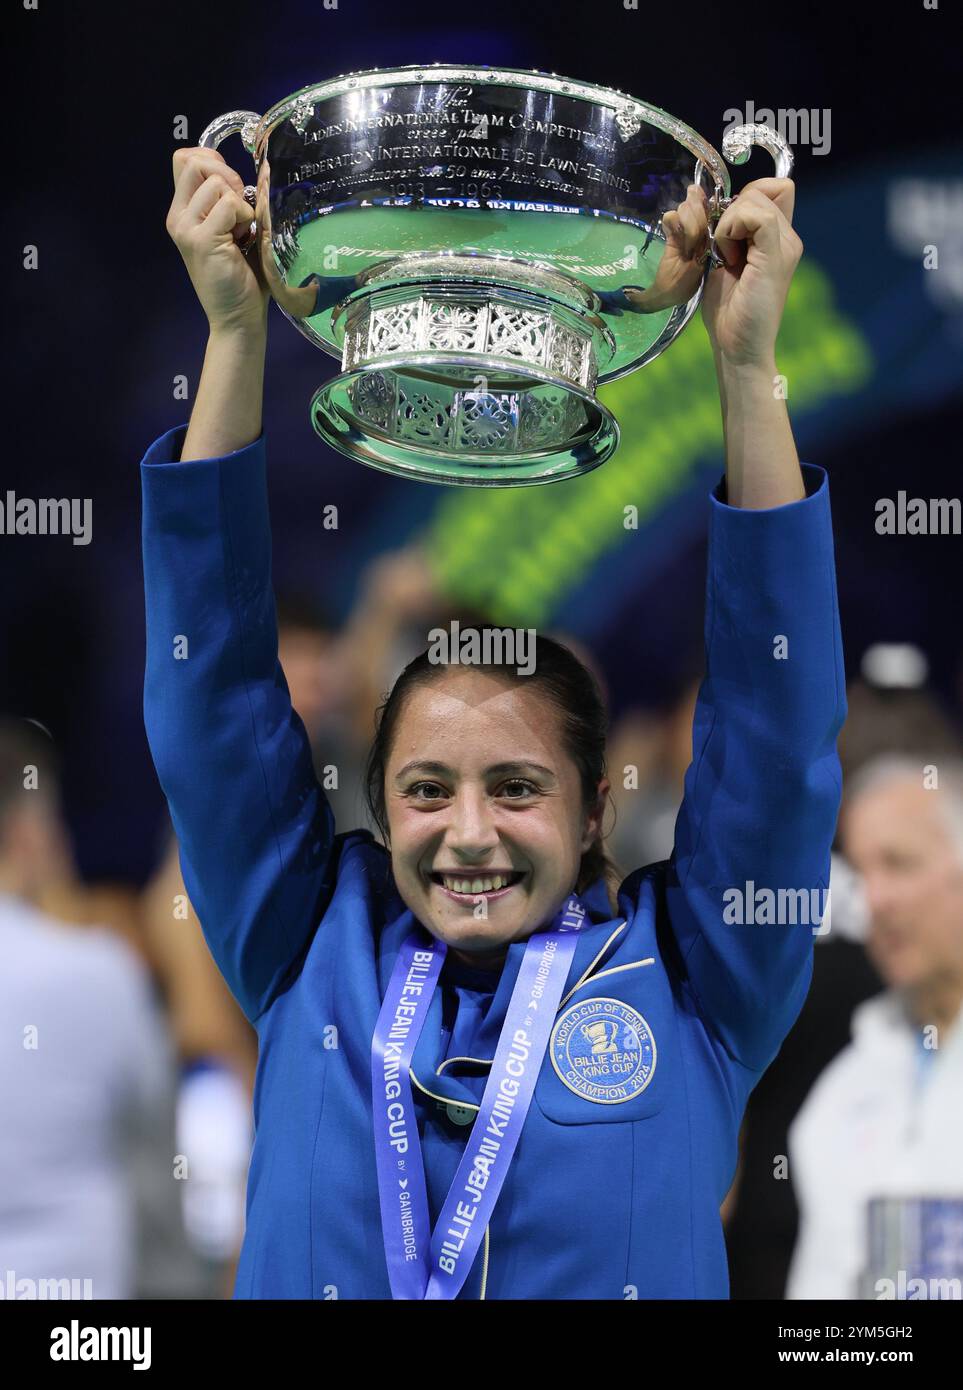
[(515, 786), (477, 1027)]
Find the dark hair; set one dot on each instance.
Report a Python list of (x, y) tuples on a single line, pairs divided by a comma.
[(572, 689)]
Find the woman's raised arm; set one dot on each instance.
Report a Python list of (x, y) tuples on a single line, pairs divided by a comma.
[(749, 875), (254, 829)]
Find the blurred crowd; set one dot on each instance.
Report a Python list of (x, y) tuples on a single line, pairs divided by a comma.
[(127, 1069)]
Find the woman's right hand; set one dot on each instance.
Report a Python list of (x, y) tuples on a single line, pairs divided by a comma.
[(208, 217)]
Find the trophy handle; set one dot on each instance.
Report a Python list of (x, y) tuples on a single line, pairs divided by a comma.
[(737, 143), (243, 123), (738, 140)]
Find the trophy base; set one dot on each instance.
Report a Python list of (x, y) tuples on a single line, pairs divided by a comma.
[(481, 371), (417, 423)]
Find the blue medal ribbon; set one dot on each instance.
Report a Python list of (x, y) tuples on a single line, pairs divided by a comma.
[(435, 1266)]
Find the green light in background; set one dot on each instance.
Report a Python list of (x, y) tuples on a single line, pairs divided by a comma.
[(516, 552)]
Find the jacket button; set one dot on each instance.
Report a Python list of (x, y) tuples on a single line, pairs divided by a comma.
[(460, 1114)]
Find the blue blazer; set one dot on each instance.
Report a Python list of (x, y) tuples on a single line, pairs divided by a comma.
[(611, 1200)]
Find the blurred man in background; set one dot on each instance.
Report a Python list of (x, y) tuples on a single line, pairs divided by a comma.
[(885, 1119), (890, 711), (87, 1190)]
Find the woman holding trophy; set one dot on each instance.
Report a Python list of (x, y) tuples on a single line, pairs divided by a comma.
[(488, 1070)]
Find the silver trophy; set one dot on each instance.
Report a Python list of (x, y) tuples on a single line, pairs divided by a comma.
[(460, 238)]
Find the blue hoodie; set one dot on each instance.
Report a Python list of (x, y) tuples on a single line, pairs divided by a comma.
[(608, 1198)]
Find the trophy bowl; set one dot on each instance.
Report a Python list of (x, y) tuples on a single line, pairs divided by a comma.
[(460, 238)]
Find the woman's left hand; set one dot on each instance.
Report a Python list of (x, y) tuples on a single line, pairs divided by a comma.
[(743, 300)]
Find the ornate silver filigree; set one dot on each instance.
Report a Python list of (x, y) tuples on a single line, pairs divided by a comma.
[(470, 322), (628, 118), (302, 112), (487, 423)]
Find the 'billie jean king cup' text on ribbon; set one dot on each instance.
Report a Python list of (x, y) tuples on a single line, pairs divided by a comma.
[(422, 1264)]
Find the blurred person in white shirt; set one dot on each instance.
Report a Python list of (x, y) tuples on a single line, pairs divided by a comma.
[(86, 1074), (885, 1119)]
